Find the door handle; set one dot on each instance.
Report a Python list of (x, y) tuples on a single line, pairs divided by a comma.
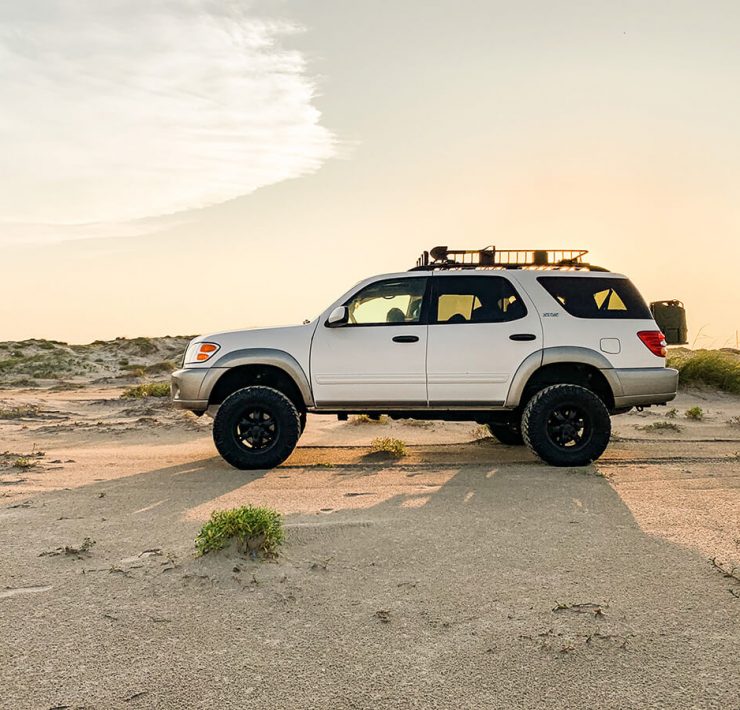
[(406, 339), (523, 336)]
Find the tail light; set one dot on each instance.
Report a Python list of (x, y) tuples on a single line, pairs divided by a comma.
[(654, 341)]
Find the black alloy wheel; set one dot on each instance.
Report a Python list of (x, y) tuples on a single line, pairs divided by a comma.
[(569, 426), (258, 429)]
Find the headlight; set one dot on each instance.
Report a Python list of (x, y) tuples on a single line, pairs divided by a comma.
[(200, 352)]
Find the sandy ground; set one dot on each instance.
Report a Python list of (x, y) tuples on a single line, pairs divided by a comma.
[(465, 575)]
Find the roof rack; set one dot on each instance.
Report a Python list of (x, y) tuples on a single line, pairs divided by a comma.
[(492, 258)]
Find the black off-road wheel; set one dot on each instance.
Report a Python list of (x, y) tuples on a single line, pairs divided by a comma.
[(566, 425), (509, 434), (256, 427)]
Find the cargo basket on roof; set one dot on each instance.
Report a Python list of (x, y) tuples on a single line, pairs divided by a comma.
[(490, 257)]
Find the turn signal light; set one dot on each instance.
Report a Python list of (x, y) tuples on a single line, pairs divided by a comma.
[(654, 341), (206, 351)]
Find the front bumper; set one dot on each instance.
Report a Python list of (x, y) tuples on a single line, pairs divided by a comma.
[(187, 391), (645, 385)]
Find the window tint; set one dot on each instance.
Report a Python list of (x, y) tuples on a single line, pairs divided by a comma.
[(476, 299), (388, 302), (598, 297)]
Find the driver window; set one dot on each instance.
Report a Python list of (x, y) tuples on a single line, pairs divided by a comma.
[(388, 303)]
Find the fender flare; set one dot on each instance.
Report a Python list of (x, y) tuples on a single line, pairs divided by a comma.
[(258, 356), (550, 356)]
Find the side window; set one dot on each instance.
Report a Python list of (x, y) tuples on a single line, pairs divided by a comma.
[(596, 297), (392, 302), (475, 299)]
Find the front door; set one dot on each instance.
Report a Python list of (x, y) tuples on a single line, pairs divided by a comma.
[(480, 331), (379, 356)]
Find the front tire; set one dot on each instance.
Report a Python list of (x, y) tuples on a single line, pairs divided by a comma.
[(256, 428), (508, 434), (566, 425)]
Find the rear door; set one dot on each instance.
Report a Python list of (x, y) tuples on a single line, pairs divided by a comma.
[(481, 328), (378, 357)]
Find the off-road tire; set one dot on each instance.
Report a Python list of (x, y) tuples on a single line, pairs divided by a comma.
[(234, 418), (541, 426), (508, 434)]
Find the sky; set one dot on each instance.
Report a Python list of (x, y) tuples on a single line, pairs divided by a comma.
[(188, 166)]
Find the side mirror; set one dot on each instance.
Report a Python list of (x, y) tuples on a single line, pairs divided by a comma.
[(339, 316)]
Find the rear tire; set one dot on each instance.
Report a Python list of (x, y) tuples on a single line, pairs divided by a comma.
[(508, 434), (566, 425), (256, 428)]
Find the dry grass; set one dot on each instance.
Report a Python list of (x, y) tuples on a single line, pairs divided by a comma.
[(21, 412), (660, 426), (367, 419), (480, 432), (713, 368)]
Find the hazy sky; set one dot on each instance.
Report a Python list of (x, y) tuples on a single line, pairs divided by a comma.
[(184, 166)]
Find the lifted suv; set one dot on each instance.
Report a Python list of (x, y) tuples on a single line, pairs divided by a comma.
[(538, 345)]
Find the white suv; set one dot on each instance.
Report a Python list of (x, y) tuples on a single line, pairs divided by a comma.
[(540, 346)]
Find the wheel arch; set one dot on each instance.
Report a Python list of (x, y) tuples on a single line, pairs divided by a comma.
[(258, 366), (564, 365)]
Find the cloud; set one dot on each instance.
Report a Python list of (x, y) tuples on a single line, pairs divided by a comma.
[(122, 110)]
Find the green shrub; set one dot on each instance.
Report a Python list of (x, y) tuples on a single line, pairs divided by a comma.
[(151, 389), (696, 413), (23, 462), (394, 447), (256, 529), (714, 368)]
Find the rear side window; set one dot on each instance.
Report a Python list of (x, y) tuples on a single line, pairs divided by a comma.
[(475, 299), (598, 297)]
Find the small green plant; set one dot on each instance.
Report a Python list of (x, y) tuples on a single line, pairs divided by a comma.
[(256, 529), (672, 413), (660, 426), (151, 389), (23, 462), (695, 413), (394, 447)]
